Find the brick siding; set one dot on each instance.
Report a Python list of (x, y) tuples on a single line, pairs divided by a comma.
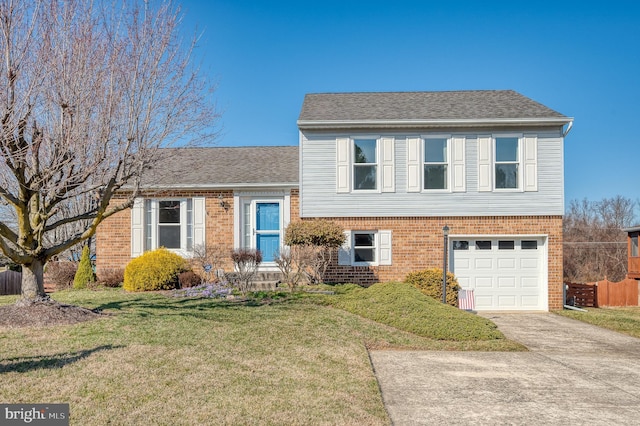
[(417, 243)]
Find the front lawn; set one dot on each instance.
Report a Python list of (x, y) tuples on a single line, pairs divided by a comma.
[(624, 320), (161, 360)]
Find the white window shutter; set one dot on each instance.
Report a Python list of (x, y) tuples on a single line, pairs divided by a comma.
[(458, 174), (530, 160), (137, 227), (414, 164), (343, 165), (485, 163), (384, 238), (344, 252), (387, 154), (199, 215)]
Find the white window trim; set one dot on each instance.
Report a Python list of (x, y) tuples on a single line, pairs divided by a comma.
[(352, 164), (139, 226), (376, 248), (448, 163), (520, 161), (155, 224)]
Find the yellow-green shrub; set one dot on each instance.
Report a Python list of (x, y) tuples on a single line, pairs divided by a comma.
[(84, 274), (154, 270), (429, 282)]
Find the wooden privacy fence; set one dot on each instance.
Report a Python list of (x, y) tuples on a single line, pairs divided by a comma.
[(603, 293), (583, 295), (10, 282), (623, 293)]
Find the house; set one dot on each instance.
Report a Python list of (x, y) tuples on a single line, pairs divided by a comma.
[(633, 271), (393, 169)]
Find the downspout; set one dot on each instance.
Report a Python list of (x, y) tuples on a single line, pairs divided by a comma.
[(566, 132)]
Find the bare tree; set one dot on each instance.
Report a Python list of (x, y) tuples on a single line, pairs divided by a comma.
[(88, 93), (595, 246)]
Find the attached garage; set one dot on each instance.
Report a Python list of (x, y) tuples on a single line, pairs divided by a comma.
[(506, 273)]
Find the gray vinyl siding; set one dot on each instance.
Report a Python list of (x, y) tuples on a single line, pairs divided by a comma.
[(318, 196)]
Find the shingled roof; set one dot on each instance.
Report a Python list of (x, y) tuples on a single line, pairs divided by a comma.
[(224, 167), (423, 107)]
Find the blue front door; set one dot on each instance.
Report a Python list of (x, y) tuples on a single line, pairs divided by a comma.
[(268, 230)]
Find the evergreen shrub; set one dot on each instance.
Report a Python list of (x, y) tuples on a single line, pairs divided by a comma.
[(429, 282), (154, 270), (84, 275)]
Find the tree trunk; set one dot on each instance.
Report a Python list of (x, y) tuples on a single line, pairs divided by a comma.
[(33, 283)]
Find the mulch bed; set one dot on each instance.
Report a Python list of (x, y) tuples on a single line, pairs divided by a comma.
[(41, 314)]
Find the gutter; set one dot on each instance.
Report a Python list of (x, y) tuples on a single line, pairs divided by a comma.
[(490, 122), (214, 186)]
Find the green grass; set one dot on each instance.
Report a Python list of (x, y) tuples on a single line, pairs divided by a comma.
[(160, 360), (402, 306), (624, 320)]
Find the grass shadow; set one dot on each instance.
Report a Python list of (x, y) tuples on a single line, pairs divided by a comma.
[(25, 364), (144, 307)]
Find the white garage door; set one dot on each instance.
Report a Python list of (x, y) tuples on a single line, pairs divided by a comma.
[(505, 273)]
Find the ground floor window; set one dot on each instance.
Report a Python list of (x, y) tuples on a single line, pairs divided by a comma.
[(366, 248), (176, 224)]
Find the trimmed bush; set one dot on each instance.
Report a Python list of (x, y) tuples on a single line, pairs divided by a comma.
[(154, 270), (316, 232), (60, 273), (429, 282), (111, 277), (189, 279), (84, 275)]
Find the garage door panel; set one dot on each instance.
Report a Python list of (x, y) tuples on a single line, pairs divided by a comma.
[(483, 263), (506, 282), (484, 302), (529, 282), (463, 263), (484, 282), (531, 302), (464, 282), (507, 302), (506, 263), (528, 263)]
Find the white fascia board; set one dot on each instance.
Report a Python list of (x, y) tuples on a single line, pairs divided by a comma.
[(216, 186), (345, 124), (632, 229)]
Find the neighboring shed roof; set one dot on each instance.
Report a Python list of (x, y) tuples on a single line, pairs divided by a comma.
[(454, 106), (220, 167)]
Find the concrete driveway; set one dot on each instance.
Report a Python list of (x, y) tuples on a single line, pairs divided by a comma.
[(575, 373)]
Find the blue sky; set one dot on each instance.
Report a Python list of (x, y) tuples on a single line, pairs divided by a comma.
[(580, 58)]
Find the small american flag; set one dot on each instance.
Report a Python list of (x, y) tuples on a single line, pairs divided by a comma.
[(466, 300)]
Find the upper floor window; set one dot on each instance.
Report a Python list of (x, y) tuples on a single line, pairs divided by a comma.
[(507, 163), (365, 164), (436, 163)]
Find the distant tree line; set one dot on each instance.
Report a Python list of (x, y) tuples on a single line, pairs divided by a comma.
[(595, 246)]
